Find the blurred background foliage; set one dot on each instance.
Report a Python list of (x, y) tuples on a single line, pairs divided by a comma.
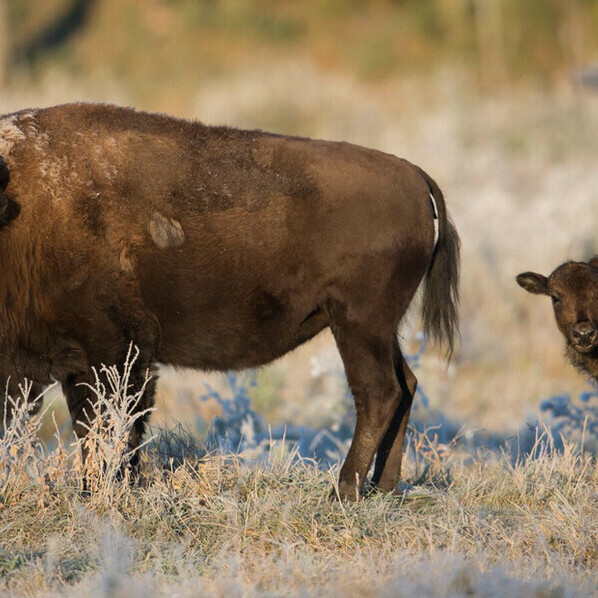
[(162, 49)]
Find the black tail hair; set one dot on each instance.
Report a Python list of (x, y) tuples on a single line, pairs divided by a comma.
[(440, 310)]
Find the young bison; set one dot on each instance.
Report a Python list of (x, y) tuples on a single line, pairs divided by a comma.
[(214, 248), (573, 288)]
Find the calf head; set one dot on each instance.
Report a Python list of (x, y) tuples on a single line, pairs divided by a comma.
[(573, 288)]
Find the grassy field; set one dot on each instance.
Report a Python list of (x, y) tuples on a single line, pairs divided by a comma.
[(463, 524)]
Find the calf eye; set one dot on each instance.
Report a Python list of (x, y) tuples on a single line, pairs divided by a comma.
[(555, 299)]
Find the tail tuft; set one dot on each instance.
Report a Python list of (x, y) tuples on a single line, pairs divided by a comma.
[(440, 311)]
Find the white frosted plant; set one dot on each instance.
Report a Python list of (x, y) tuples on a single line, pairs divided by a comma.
[(20, 446), (112, 415)]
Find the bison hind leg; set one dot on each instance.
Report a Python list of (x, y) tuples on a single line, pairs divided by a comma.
[(389, 457)]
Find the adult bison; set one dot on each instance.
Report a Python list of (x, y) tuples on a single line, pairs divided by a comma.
[(573, 288), (215, 248)]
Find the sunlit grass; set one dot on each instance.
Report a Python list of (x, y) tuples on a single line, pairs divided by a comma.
[(472, 524)]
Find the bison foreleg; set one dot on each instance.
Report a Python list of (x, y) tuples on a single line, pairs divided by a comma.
[(84, 404)]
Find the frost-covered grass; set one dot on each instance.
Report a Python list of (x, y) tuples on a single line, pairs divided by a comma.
[(475, 524), (575, 420)]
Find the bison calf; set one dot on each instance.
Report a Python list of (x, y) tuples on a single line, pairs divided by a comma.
[(215, 248), (573, 288)]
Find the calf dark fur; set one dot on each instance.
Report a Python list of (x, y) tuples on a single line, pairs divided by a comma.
[(215, 248), (573, 288)]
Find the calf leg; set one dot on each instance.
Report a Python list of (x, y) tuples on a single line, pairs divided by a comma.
[(387, 470)]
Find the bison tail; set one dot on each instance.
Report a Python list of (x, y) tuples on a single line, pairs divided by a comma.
[(440, 310)]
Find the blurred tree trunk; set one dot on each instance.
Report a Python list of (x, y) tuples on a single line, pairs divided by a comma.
[(4, 43), (572, 34), (489, 33), (57, 32)]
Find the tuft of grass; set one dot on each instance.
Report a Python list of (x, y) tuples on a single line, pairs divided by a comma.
[(112, 416)]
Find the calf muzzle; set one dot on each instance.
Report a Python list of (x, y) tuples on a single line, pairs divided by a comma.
[(584, 337)]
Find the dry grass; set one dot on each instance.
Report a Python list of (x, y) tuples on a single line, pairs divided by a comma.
[(475, 525)]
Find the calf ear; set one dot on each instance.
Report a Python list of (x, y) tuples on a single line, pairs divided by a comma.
[(533, 283)]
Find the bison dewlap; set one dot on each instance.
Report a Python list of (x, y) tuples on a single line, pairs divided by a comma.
[(215, 248)]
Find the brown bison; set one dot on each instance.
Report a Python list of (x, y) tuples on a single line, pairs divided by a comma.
[(215, 248), (573, 288)]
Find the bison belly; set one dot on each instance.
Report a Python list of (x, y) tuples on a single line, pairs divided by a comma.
[(228, 307)]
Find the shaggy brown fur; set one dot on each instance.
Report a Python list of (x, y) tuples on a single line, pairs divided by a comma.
[(215, 248), (573, 288)]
